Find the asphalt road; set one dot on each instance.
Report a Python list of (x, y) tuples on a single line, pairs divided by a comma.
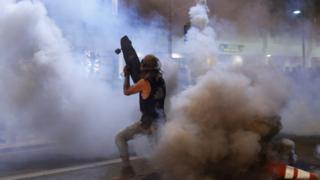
[(92, 171), (42, 161), (37, 159)]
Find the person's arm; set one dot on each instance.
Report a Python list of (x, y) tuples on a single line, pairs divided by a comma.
[(127, 89), (138, 87)]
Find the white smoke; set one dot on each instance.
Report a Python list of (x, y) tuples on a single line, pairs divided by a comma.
[(46, 92), (200, 45), (199, 16), (92, 25)]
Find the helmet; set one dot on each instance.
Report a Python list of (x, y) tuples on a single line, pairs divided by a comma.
[(150, 62)]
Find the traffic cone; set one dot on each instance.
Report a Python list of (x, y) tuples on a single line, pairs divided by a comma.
[(283, 171)]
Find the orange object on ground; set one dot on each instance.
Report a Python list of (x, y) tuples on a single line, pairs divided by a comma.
[(283, 171)]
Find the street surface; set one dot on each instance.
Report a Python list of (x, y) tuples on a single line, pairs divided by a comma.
[(43, 162), (93, 171)]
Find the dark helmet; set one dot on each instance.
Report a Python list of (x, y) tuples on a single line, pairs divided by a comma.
[(150, 62)]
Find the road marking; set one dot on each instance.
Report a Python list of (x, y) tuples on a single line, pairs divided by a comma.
[(23, 144), (64, 170)]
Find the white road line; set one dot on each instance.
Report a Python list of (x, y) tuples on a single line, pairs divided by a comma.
[(24, 144), (63, 170)]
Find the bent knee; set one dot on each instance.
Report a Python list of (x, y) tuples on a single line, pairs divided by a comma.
[(120, 138)]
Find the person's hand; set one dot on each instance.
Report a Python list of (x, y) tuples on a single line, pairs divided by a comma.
[(126, 71)]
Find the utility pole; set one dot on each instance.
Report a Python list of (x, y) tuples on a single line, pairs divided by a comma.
[(170, 30), (303, 45), (301, 16), (115, 12), (115, 7)]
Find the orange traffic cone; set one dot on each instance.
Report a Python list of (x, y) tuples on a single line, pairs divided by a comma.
[(283, 171)]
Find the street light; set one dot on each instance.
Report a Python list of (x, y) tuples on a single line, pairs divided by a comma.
[(237, 60), (296, 12)]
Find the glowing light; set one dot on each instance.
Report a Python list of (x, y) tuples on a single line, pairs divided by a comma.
[(96, 68), (209, 61), (176, 56), (296, 12), (237, 60), (268, 55)]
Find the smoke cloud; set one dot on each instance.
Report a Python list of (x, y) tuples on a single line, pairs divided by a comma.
[(201, 44), (46, 93), (218, 126), (214, 127), (229, 19)]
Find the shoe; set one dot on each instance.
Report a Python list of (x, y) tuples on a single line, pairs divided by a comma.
[(126, 173)]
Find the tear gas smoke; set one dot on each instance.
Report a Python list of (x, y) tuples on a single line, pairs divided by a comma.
[(229, 18), (217, 123), (91, 25), (217, 126), (47, 94), (200, 45), (199, 16)]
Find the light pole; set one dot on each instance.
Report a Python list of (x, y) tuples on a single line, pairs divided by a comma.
[(303, 45), (301, 21), (115, 7), (170, 30), (115, 12)]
